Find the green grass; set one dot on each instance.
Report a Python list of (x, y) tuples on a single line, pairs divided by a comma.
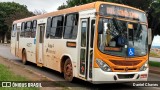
[(154, 63), (7, 75), (153, 54)]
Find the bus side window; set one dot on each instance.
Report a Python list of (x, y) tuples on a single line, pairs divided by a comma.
[(71, 26), (53, 27), (48, 30), (59, 27), (28, 29), (34, 25), (22, 29), (75, 29), (14, 30)]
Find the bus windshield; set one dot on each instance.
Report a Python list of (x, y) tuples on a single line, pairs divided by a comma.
[(116, 36)]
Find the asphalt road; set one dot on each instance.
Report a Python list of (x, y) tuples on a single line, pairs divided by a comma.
[(78, 84), (154, 59)]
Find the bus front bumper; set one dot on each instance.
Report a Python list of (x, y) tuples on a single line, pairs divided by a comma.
[(100, 76)]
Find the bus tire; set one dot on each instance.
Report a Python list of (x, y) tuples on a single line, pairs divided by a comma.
[(68, 70), (24, 58)]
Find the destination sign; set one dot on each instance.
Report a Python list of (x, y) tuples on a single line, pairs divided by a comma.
[(112, 10), (120, 11)]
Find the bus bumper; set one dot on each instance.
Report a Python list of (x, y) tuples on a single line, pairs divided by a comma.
[(100, 76)]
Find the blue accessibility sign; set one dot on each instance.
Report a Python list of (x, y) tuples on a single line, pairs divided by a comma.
[(131, 52)]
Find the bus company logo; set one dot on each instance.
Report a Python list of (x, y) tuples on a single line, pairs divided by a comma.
[(126, 69), (6, 84)]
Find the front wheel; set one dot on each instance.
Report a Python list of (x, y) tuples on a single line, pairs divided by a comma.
[(68, 70)]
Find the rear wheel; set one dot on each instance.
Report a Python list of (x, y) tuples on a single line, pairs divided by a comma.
[(68, 70), (24, 58)]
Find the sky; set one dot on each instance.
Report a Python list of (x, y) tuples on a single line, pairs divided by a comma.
[(156, 41), (32, 5)]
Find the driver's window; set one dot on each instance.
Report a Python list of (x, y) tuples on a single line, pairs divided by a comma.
[(107, 31), (105, 36)]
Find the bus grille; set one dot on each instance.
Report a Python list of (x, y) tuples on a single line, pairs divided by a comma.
[(125, 76), (125, 63), (124, 69)]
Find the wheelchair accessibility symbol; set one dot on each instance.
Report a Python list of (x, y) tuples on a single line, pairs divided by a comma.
[(130, 51)]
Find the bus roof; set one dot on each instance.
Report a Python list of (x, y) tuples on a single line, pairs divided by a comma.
[(72, 10)]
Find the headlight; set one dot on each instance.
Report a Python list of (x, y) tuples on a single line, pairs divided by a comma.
[(103, 65), (144, 67)]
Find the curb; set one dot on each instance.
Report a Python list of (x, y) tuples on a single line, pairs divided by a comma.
[(36, 73)]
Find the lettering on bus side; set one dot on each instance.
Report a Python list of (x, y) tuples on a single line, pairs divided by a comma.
[(50, 45), (29, 44), (50, 49)]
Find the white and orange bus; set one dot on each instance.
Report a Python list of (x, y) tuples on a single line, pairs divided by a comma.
[(99, 41)]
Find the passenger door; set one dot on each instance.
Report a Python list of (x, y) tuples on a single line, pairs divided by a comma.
[(86, 48), (40, 42)]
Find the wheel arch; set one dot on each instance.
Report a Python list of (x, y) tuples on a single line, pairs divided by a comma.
[(23, 49)]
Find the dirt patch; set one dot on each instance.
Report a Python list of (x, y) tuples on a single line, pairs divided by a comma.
[(18, 69)]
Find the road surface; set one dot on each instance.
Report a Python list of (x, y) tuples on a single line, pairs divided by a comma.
[(78, 84), (154, 59)]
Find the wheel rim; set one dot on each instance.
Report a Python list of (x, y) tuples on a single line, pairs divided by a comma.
[(69, 70)]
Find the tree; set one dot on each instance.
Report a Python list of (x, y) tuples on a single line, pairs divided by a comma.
[(10, 11), (72, 3), (153, 17), (141, 4), (63, 6)]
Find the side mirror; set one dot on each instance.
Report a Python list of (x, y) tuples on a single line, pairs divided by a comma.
[(100, 27), (149, 36)]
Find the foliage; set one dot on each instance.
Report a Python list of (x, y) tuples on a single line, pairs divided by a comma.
[(154, 63), (141, 4), (62, 7), (153, 17), (10, 11)]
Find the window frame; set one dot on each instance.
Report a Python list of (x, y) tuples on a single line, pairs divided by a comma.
[(28, 29), (55, 19), (76, 23), (33, 28), (48, 26), (22, 29), (14, 27)]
